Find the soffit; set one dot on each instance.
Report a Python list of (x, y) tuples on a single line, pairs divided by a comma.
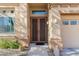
[(38, 5)]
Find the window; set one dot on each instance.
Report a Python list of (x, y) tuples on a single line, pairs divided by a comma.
[(12, 11), (39, 12), (6, 24), (73, 22), (65, 22), (4, 11)]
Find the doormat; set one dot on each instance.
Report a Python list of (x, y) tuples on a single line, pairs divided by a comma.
[(40, 43)]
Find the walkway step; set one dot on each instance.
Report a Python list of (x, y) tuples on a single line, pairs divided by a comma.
[(38, 50)]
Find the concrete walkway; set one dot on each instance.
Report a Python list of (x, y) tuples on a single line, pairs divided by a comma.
[(70, 52), (12, 52), (38, 50)]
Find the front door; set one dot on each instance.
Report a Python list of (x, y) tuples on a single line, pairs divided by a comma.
[(39, 29)]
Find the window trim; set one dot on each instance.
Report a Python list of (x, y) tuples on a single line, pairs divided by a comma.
[(7, 34), (33, 11)]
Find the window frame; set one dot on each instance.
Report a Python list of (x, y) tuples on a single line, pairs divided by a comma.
[(64, 22), (14, 26), (44, 12), (73, 22)]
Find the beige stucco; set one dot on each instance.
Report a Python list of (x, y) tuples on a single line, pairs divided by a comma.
[(37, 6)]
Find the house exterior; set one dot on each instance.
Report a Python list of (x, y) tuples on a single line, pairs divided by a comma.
[(56, 24)]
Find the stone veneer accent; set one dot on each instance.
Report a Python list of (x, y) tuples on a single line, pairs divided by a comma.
[(21, 24), (54, 30)]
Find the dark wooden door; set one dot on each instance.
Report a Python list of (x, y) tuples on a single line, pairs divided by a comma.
[(34, 30), (39, 29)]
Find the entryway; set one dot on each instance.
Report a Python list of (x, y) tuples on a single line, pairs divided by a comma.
[(39, 29), (38, 50)]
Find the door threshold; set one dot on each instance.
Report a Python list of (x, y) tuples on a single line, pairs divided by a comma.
[(40, 43)]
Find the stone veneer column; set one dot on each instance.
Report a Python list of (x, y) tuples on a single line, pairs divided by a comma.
[(54, 36), (22, 24)]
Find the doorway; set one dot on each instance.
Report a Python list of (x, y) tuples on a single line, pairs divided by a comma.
[(39, 29)]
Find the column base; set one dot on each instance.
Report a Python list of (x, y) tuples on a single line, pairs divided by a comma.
[(55, 42), (24, 44)]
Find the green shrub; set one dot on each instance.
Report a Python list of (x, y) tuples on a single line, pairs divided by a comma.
[(9, 43)]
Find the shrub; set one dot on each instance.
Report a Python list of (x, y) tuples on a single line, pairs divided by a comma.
[(9, 43)]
